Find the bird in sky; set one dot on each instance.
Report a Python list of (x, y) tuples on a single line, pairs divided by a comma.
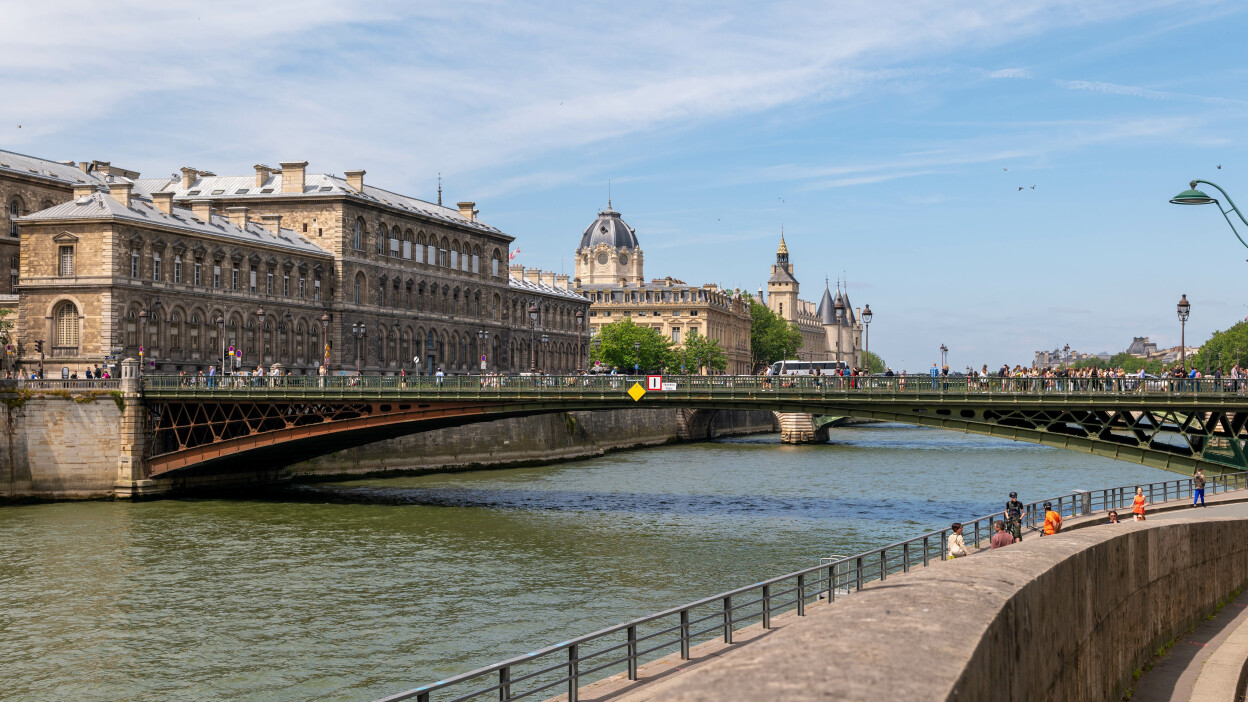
[(1219, 165), (1005, 169), (1020, 187), (1033, 187)]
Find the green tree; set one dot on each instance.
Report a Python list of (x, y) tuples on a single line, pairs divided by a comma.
[(875, 364), (615, 346), (700, 352), (772, 338), (1223, 347)]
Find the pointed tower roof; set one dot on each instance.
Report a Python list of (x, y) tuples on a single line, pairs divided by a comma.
[(826, 313), (783, 250)]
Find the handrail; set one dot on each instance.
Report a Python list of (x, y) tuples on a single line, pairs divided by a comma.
[(560, 662), (64, 384)]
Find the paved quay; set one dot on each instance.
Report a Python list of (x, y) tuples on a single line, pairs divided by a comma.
[(1025, 622)]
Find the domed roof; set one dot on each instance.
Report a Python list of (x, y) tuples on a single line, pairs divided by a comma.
[(609, 229)]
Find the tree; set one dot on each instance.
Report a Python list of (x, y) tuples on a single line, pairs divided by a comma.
[(614, 347), (700, 352), (875, 364), (1225, 347), (772, 337)]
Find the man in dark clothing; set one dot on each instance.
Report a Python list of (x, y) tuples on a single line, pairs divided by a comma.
[(1015, 512)]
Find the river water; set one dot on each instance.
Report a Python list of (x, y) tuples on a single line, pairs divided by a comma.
[(349, 591)]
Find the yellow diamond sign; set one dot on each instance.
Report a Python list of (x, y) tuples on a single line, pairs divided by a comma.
[(636, 391)]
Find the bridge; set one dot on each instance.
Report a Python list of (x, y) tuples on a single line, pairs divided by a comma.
[(240, 423)]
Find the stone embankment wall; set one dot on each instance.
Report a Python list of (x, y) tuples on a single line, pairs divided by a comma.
[(548, 437), (1069, 617), (60, 446)]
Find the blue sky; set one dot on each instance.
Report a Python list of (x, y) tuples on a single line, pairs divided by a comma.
[(879, 133)]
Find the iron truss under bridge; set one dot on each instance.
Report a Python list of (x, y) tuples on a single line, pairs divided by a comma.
[(259, 423)]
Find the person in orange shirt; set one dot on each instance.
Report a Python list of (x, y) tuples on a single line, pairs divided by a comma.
[(1052, 520), (1138, 505)]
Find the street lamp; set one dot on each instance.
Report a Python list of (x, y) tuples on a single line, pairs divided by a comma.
[(1193, 196), (483, 336), (533, 335), (325, 328), (944, 356), (220, 322), (359, 332), (866, 337), (1185, 309), (580, 321), (545, 351), (636, 357), (595, 343), (260, 352)]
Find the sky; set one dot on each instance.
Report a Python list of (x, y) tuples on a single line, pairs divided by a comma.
[(888, 139)]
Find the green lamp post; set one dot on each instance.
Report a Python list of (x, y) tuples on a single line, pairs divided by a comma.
[(1192, 196)]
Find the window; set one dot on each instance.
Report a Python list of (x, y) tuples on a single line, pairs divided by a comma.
[(381, 234), (357, 235), (476, 263), (155, 266), (15, 211), (132, 329), (359, 289), (199, 273), (494, 267), (13, 271), (407, 249), (177, 269), (65, 321), (418, 251), (216, 276), (134, 264), (268, 282), (302, 285), (66, 260), (175, 339), (316, 290), (675, 335), (286, 284), (432, 257), (251, 280), (234, 278), (394, 243), (192, 331), (454, 258), (381, 293)]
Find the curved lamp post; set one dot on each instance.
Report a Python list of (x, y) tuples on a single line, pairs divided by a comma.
[(1192, 196), (533, 338), (1185, 309), (866, 337)]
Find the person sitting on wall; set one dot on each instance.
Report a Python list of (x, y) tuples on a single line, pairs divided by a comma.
[(1052, 520)]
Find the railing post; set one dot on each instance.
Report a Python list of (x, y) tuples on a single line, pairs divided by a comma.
[(684, 634), (801, 595), (632, 652), (858, 574), (831, 582), (504, 683), (573, 673), (926, 548), (766, 606), (883, 563), (905, 557), (728, 619)]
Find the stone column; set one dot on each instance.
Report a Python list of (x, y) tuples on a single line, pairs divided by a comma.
[(132, 480)]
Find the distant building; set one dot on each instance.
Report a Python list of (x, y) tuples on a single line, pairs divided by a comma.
[(1142, 347), (1063, 357), (831, 331)]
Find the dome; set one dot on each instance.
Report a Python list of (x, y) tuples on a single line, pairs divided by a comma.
[(609, 229)]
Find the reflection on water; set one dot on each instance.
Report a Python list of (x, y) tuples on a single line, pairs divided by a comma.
[(352, 590)]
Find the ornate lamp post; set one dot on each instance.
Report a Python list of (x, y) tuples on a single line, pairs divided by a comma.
[(142, 336), (260, 352), (431, 350), (325, 329), (1185, 309), (359, 331), (1192, 196), (220, 322), (595, 342), (484, 336), (866, 337), (636, 357), (545, 351), (838, 311), (580, 321), (533, 335), (944, 356)]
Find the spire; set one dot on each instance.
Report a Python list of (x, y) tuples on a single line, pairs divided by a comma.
[(783, 249), (439, 189)]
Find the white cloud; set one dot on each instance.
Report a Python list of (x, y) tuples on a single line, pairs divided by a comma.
[(1010, 73), (1135, 91)]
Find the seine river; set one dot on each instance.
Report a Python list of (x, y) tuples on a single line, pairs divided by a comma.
[(349, 591)]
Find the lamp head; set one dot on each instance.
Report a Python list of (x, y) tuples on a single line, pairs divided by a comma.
[(866, 314), (260, 315), (533, 312), (1192, 196), (325, 320), (1185, 308)]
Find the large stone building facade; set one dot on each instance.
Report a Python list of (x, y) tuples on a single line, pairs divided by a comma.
[(831, 330), (328, 257), (609, 271)]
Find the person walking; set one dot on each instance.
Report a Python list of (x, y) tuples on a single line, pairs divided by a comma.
[(1198, 488), (1052, 520), (957, 546), (1001, 537), (1138, 504), (1015, 512)]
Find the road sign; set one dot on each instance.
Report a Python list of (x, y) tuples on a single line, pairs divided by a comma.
[(669, 387), (636, 392), (654, 383), (117, 349)]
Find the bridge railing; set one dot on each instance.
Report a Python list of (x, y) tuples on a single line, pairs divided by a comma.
[(58, 384), (687, 385), (567, 666)]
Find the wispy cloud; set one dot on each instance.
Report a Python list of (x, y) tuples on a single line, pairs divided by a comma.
[(1136, 91), (1009, 73)]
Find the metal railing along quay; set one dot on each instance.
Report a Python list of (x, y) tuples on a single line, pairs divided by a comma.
[(59, 384), (567, 666)]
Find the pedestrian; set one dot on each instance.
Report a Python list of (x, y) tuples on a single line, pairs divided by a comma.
[(1198, 487), (1138, 504), (1113, 517), (934, 372), (440, 375), (1052, 520), (1002, 537), (1015, 512), (957, 546)]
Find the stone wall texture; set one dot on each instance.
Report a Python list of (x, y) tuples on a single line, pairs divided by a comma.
[(55, 447)]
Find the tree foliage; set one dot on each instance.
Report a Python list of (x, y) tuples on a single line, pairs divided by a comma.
[(700, 352), (1123, 360), (1223, 347), (622, 344), (772, 338), (875, 364)]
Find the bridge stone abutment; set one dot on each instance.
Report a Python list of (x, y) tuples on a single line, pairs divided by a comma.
[(801, 428), (1068, 617), (132, 480)]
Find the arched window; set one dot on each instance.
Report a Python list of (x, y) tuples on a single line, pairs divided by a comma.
[(359, 289), (381, 292), (132, 329), (15, 211), (357, 235), (175, 337), (300, 349), (65, 320), (394, 242), (381, 236), (192, 331)]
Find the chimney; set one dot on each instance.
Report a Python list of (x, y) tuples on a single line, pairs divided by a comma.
[(355, 179), (467, 212), (548, 278), (293, 173), (164, 202), (533, 275), (561, 281), (272, 222), (238, 216), (121, 192), (516, 270), (83, 189), (188, 177), (262, 174), (84, 166), (202, 209)]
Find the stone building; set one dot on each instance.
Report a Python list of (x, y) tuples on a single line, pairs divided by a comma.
[(609, 271), (415, 278), (831, 331)]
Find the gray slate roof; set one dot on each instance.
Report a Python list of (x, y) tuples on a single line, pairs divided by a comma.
[(102, 206), (315, 184), (827, 312), (43, 168), (609, 229), (543, 289)]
